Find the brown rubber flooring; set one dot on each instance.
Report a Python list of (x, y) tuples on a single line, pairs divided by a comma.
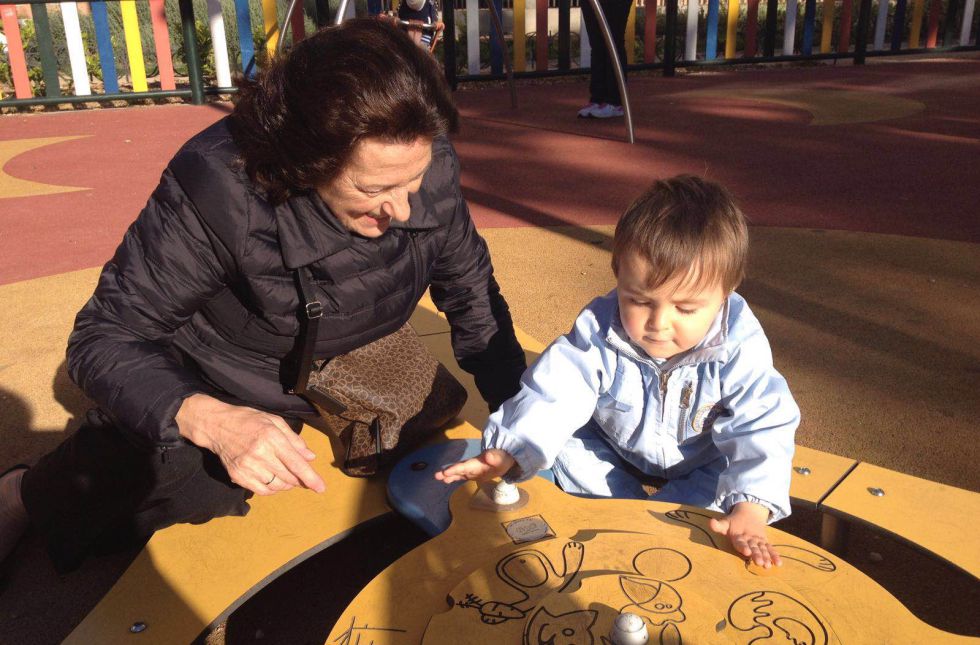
[(861, 183)]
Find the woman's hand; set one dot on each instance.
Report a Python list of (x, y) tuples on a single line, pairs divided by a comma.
[(745, 526), (489, 464), (259, 450)]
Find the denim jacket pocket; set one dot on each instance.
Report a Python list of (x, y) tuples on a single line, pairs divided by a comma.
[(619, 410)]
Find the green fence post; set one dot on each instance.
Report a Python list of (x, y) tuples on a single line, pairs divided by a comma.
[(45, 46), (190, 52)]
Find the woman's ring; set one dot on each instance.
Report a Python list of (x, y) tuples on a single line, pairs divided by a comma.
[(268, 483)]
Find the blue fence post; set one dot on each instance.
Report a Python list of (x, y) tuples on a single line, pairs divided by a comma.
[(898, 26), (809, 20), (103, 37), (496, 55), (711, 35)]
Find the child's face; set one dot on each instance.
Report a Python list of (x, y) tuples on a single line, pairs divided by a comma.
[(670, 319)]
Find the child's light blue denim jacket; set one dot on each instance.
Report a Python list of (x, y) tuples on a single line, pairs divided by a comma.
[(723, 397)]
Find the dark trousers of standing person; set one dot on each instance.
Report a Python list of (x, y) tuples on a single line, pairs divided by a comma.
[(603, 87), (100, 492)]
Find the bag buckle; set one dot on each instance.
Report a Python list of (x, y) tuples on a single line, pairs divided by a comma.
[(314, 310)]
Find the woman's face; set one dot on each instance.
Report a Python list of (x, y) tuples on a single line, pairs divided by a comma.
[(374, 187)]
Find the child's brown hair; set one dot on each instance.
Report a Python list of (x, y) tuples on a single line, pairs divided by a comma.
[(685, 226)]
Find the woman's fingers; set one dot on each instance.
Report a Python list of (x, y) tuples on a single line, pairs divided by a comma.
[(296, 441)]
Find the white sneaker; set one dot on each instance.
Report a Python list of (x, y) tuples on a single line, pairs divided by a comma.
[(586, 112), (607, 111)]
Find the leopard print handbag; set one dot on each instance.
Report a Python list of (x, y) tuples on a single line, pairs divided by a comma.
[(383, 399)]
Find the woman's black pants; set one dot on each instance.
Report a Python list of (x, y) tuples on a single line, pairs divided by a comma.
[(99, 492), (602, 86)]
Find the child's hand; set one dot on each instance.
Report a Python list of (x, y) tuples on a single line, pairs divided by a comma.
[(491, 463), (745, 526)]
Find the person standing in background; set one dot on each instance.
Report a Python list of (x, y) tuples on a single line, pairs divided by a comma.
[(604, 99)]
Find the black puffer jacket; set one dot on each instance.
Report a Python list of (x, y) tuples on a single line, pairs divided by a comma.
[(201, 295)]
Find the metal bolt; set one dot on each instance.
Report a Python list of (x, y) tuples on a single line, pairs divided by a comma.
[(803, 470), (136, 628), (419, 465), (877, 492)]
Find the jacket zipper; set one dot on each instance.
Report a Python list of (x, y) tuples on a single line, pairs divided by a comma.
[(684, 406), (416, 260), (664, 378)]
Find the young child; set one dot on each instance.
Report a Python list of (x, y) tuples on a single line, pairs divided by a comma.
[(667, 377), (421, 12)]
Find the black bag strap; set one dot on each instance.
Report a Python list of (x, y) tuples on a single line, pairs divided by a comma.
[(309, 328)]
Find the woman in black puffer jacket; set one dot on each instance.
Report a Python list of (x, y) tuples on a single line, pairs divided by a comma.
[(336, 159)]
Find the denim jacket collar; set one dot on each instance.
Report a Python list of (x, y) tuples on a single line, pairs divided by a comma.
[(713, 347)]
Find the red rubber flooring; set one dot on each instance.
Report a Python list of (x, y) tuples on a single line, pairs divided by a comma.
[(890, 148)]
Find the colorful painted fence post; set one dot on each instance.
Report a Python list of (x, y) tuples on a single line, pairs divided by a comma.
[(751, 29), (540, 37), (161, 42), (809, 24), (827, 26), (650, 32), (691, 37), (967, 23), (932, 30), (496, 54), (789, 28), (732, 31), (881, 23), (915, 29), (76, 50), (245, 44), (45, 46), (473, 36), (711, 31), (898, 25), (15, 50), (219, 43), (134, 47), (107, 58), (844, 37), (520, 37)]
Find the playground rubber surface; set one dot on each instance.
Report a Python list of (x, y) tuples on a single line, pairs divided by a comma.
[(861, 184)]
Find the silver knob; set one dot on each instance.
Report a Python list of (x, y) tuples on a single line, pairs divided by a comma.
[(629, 629), (505, 494)]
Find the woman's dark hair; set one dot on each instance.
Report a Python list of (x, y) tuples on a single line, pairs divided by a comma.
[(298, 122)]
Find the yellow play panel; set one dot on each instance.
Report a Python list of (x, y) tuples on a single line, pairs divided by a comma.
[(561, 568), (815, 474), (930, 515)]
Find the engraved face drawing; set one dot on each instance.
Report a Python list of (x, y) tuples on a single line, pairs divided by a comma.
[(650, 595), (654, 600), (572, 628), (524, 569)]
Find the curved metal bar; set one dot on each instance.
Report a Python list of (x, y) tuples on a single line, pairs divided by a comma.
[(620, 79), (499, 30), (285, 25), (341, 11)]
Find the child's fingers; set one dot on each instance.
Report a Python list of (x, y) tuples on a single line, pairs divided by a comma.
[(719, 525), (469, 469), (774, 556)]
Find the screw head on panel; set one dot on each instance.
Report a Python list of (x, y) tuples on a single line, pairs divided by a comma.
[(803, 470), (136, 628), (877, 492)]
